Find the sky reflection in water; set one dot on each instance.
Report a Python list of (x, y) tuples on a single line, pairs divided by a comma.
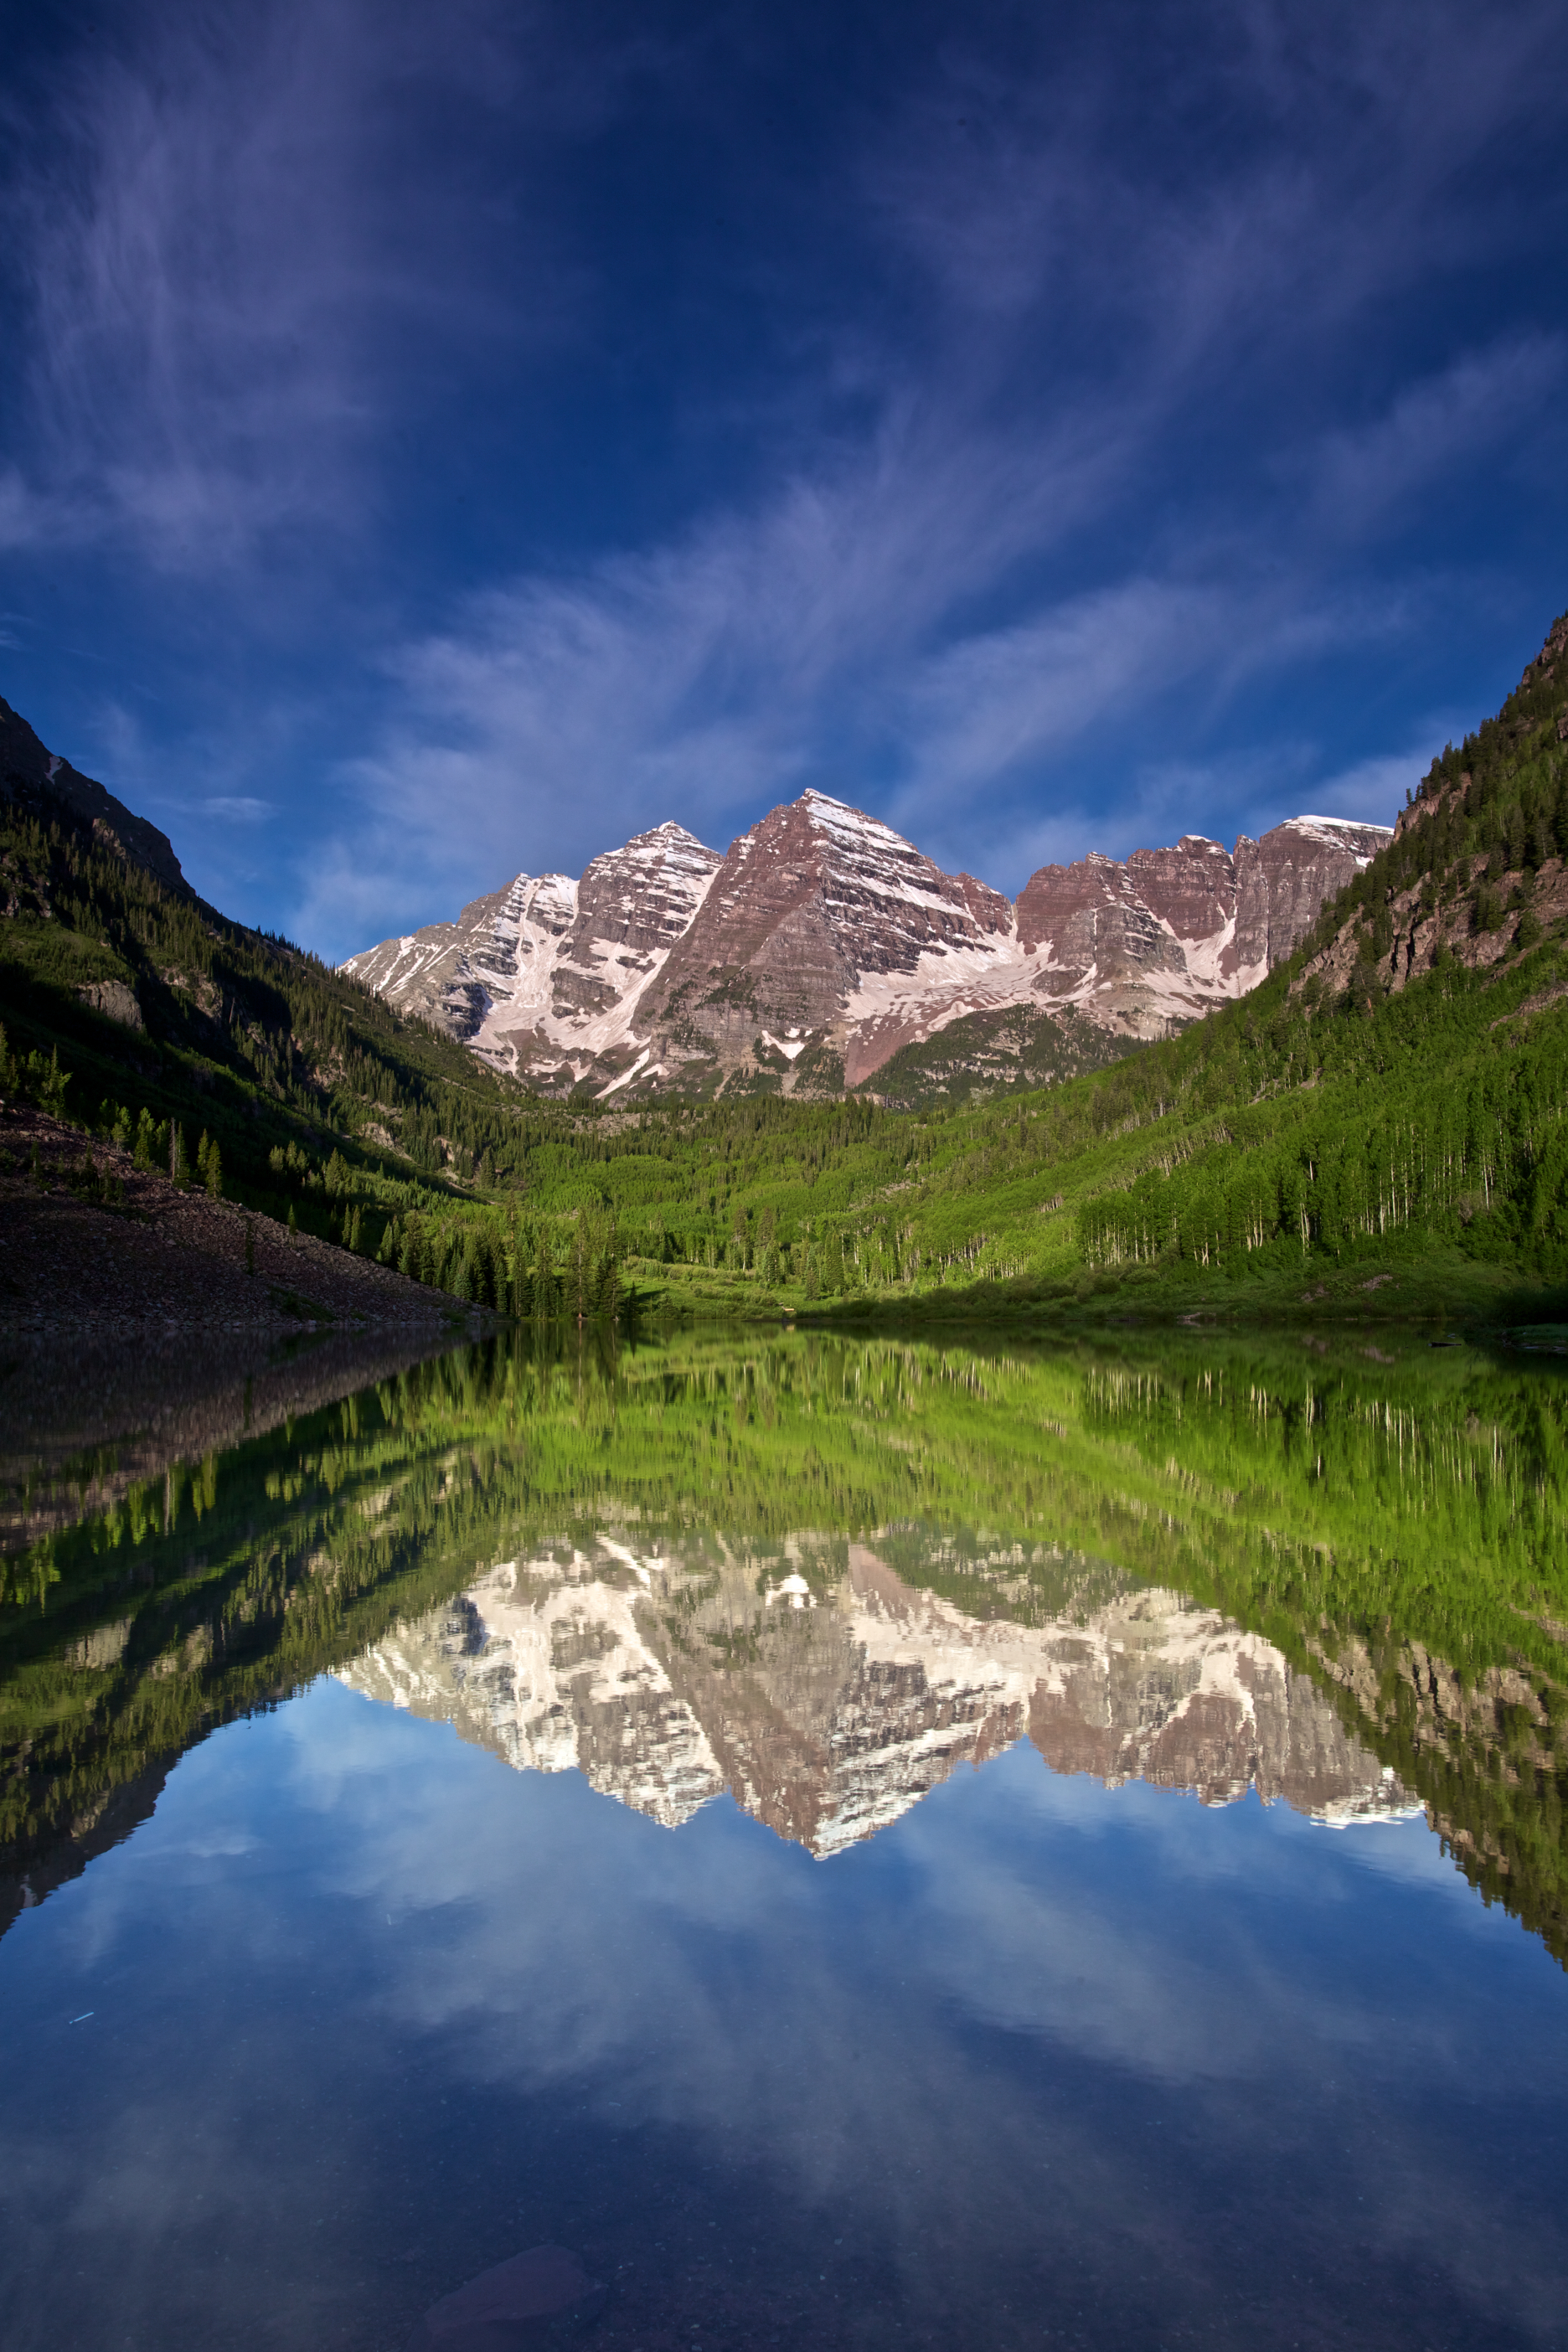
[(1040, 2058)]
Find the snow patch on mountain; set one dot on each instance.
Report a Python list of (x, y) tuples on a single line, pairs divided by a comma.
[(859, 1697), (1342, 832), (822, 926)]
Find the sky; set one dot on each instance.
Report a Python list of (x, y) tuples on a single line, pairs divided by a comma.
[(439, 441)]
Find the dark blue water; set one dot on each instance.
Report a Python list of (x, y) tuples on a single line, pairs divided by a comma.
[(1041, 2062), (364, 2005)]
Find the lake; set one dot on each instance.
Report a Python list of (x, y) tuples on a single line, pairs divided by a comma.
[(857, 1843)]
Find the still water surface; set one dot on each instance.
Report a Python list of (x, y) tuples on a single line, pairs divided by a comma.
[(862, 1843)]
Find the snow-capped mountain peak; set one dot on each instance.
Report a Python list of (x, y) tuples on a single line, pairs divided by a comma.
[(858, 1695), (823, 941)]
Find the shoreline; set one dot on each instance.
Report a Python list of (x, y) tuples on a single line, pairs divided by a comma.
[(77, 1434), (165, 1262), (159, 1258)]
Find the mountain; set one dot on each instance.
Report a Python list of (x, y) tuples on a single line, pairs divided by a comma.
[(38, 784), (548, 960), (1485, 837), (824, 946), (131, 1007), (829, 1711), (1379, 1126)]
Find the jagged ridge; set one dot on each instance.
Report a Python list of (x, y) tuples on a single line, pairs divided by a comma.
[(825, 944), (845, 1703)]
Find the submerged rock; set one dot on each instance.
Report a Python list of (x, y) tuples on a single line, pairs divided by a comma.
[(539, 2297)]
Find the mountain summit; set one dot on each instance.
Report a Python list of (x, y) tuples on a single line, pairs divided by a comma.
[(824, 944), (36, 783)]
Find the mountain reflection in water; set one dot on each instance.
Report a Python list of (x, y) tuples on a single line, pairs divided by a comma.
[(1340, 1579), (828, 1695), (326, 2029)]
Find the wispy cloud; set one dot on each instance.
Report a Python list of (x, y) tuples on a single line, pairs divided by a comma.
[(985, 707), (932, 614), (700, 681), (28, 519), (1435, 428), (1264, 783), (1090, 399), (1373, 790), (240, 806), (1153, 185), (805, 647), (233, 288), (727, 676)]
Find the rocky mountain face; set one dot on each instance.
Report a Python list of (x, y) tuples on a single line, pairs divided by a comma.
[(823, 945), (545, 977), (41, 784), (828, 1694)]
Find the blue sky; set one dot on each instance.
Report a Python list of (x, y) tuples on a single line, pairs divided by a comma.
[(440, 440)]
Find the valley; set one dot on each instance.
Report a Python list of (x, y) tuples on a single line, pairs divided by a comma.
[(1367, 1121)]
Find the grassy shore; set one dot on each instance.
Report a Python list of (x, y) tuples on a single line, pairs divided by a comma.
[(1437, 1288)]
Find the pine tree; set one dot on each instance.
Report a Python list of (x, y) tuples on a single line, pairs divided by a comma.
[(606, 1281)]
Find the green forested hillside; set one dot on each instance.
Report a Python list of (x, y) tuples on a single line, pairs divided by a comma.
[(122, 996), (1386, 1108)]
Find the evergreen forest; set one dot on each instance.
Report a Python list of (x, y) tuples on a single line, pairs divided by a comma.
[(1380, 1126)]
